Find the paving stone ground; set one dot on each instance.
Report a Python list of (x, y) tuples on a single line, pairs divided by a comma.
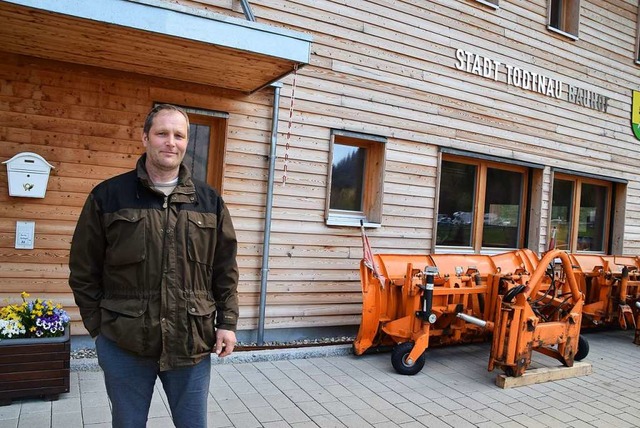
[(301, 390)]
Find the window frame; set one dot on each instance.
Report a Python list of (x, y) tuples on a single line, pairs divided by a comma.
[(373, 180), (217, 147), (480, 196), (570, 10), (578, 181), (637, 52)]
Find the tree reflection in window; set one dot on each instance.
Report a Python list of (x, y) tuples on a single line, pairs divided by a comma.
[(562, 211), (502, 208), (455, 210), (593, 214), (581, 228), (197, 154), (347, 176), (480, 204)]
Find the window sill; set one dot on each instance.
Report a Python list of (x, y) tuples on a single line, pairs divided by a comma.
[(440, 249), (485, 251), (562, 33), (489, 4), (350, 221)]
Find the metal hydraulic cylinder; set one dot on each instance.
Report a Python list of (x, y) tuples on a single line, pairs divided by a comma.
[(476, 321), (426, 300)]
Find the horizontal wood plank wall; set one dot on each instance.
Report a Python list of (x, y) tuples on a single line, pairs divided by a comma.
[(395, 60), (381, 67), (386, 67), (87, 122)]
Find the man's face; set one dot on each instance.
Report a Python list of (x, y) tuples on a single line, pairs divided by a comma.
[(166, 142)]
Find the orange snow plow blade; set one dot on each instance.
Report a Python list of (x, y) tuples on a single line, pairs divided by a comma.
[(611, 286), (381, 302), (524, 302)]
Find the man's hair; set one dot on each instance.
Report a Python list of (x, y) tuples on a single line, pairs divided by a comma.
[(148, 122)]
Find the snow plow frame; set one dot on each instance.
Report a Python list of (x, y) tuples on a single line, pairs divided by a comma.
[(441, 299)]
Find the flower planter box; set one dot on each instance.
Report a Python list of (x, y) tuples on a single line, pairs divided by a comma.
[(34, 368)]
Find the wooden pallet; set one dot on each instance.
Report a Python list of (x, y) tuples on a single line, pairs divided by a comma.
[(544, 374)]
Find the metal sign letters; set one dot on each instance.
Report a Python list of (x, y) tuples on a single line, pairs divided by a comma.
[(536, 82)]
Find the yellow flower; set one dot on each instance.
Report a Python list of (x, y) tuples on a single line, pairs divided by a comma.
[(24, 294)]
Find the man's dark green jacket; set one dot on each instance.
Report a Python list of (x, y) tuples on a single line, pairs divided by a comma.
[(154, 273)]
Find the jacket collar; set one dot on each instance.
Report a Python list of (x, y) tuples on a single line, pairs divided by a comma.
[(184, 187)]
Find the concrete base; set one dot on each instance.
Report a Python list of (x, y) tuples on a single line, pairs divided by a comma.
[(544, 374)]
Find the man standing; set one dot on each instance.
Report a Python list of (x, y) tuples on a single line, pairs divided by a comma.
[(154, 273)]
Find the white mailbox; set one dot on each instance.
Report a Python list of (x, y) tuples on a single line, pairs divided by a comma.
[(28, 175)]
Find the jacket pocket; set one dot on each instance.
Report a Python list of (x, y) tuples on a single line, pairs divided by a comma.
[(202, 333), (125, 251), (126, 238), (201, 237), (123, 321)]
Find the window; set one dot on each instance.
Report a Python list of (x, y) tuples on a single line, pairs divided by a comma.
[(480, 204), (564, 17), (455, 207), (490, 3), (502, 208), (562, 211), (580, 213), (197, 155), (356, 176)]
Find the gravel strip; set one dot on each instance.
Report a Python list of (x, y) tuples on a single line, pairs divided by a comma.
[(249, 346), (83, 353)]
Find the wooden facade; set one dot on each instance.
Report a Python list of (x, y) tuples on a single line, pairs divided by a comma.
[(377, 67)]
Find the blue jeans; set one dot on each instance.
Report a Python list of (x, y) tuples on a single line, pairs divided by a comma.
[(130, 380)]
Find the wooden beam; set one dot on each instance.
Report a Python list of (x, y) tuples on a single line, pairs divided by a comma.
[(544, 374)]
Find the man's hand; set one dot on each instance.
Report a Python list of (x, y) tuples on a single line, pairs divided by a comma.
[(225, 341)]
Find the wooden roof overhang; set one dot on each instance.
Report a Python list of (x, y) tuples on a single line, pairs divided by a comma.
[(154, 37)]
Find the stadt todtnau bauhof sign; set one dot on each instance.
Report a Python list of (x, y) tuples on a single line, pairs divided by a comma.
[(519, 77)]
